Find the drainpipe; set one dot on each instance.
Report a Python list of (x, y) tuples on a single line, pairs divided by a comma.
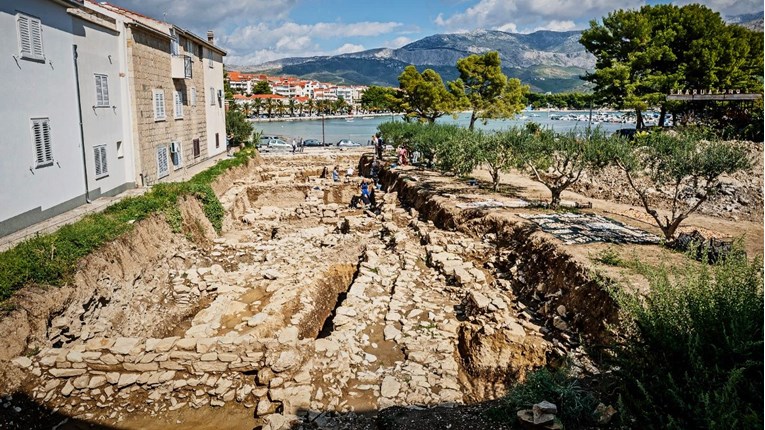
[(82, 133)]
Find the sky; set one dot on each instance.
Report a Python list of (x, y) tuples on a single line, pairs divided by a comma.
[(256, 31)]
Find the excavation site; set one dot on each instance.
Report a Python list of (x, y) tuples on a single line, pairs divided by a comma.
[(307, 313)]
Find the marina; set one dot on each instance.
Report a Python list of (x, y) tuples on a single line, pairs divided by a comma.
[(361, 129)]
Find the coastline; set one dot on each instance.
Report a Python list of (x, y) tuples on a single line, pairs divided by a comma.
[(319, 117)]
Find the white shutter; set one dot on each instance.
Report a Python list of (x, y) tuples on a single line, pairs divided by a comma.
[(178, 104), (159, 105), (42, 142), (163, 169), (35, 29), (99, 157), (30, 37), (104, 165), (102, 91), (212, 96), (25, 40)]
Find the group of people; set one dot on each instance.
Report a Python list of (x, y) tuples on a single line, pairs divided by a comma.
[(297, 145)]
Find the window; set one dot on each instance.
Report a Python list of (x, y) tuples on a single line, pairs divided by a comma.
[(217, 140), (210, 58), (197, 149), (212, 96), (41, 139), (30, 37), (120, 151), (176, 154), (191, 47), (178, 104), (193, 96), (99, 155), (187, 66), (102, 91), (159, 105), (175, 45), (163, 168)]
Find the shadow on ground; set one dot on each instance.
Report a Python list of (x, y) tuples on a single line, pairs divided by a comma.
[(19, 411)]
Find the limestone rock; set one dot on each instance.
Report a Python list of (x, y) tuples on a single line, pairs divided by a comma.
[(390, 387)]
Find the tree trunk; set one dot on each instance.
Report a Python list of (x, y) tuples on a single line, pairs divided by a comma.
[(472, 120), (662, 115), (555, 199), (495, 180)]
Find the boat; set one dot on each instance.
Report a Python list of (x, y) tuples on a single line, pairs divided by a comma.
[(367, 117), (349, 119)]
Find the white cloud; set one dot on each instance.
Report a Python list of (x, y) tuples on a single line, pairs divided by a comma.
[(397, 42), (556, 25), (728, 7), (525, 15), (261, 42), (348, 48)]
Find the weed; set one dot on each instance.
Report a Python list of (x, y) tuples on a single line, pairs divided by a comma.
[(609, 257)]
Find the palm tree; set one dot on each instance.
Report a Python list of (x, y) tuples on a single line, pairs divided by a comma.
[(247, 109), (269, 107), (281, 109), (257, 104), (310, 106), (291, 105)]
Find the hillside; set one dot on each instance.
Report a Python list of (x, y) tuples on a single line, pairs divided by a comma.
[(546, 60)]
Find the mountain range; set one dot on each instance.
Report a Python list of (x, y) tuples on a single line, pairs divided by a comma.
[(546, 60)]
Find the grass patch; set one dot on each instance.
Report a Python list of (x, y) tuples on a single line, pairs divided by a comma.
[(52, 258)]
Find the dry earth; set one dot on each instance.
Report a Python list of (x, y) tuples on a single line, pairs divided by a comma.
[(305, 313)]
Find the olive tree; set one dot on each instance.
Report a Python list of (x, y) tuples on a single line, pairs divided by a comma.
[(678, 165), (496, 151), (558, 160)]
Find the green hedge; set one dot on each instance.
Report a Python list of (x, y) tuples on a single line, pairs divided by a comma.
[(52, 258)]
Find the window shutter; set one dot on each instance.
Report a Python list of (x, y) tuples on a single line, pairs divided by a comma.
[(25, 39), (179, 104), (104, 165), (97, 159), (46, 141), (42, 141), (35, 29), (99, 92), (159, 105), (162, 163)]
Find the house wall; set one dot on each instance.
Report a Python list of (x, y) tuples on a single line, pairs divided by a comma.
[(99, 52), (150, 69), (38, 89), (216, 116)]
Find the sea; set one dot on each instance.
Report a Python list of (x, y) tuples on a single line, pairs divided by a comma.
[(361, 129)]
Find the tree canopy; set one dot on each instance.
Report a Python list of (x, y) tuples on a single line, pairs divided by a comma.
[(378, 99), (486, 89), (643, 54), (262, 87), (424, 96)]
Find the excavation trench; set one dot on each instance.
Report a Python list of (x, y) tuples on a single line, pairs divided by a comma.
[(304, 308)]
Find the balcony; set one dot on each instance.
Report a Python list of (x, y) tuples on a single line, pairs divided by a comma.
[(181, 67)]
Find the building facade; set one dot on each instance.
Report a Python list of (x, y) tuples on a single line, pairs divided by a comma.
[(60, 141), (96, 100), (172, 92)]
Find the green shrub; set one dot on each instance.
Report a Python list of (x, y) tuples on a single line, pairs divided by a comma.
[(575, 402), (693, 356), (52, 258)]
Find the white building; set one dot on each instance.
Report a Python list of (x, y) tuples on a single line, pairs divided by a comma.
[(215, 113), (50, 163)]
